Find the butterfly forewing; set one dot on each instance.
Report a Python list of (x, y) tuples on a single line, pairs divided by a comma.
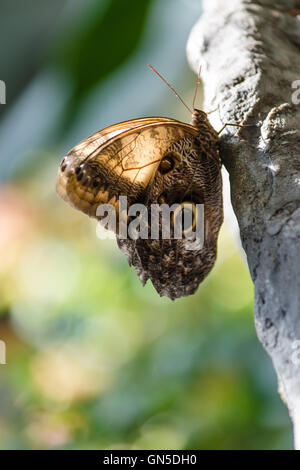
[(123, 155)]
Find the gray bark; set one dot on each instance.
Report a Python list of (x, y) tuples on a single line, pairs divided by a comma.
[(250, 56)]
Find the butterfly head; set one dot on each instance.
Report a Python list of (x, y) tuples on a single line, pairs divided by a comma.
[(199, 118)]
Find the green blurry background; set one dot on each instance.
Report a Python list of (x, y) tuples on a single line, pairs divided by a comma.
[(94, 360)]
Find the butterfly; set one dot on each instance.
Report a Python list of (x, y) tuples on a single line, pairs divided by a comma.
[(153, 161)]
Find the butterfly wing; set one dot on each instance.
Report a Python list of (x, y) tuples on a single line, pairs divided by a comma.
[(175, 267), (118, 160)]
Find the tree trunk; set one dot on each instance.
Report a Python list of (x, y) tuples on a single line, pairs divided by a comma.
[(250, 56)]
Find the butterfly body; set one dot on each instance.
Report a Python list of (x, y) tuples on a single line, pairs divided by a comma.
[(152, 161)]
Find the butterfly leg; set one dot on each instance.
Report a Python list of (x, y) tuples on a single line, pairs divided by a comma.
[(213, 110), (230, 124)]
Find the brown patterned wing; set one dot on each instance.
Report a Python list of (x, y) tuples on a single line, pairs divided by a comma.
[(118, 160), (174, 269)]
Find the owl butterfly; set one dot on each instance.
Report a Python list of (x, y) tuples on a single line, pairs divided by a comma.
[(153, 160)]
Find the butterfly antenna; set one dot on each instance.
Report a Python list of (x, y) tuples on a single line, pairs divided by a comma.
[(171, 88), (197, 86)]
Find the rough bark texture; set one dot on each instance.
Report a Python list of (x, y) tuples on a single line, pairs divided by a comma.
[(250, 56)]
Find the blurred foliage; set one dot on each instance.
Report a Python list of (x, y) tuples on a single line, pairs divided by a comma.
[(94, 360), (114, 30)]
